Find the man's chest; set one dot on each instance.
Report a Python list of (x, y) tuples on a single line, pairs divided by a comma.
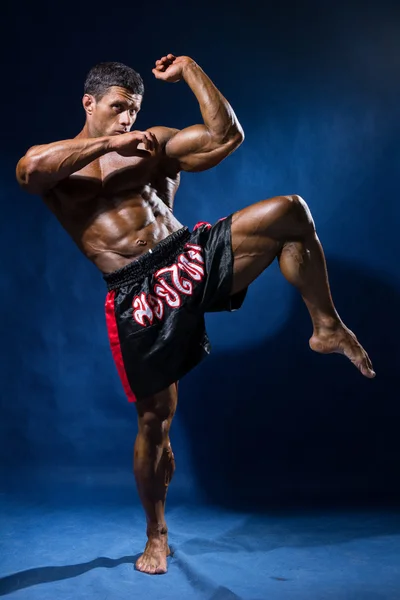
[(110, 175), (114, 177)]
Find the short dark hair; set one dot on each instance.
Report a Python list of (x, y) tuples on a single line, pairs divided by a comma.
[(106, 74)]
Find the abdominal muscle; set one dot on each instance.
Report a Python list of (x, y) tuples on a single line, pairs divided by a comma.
[(117, 232), (129, 247)]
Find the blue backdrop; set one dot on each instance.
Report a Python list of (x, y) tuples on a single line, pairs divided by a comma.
[(316, 87)]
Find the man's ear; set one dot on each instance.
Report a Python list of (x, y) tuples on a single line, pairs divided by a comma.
[(89, 103)]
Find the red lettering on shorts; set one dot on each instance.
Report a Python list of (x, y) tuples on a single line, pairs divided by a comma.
[(156, 305), (167, 292), (182, 285), (170, 293), (195, 271), (194, 252), (142, 310)]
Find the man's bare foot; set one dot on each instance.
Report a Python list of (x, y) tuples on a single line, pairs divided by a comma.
[(154, 557), (338, 338)]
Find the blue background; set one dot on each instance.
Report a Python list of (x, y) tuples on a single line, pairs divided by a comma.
[(263, 423), (315, 86)]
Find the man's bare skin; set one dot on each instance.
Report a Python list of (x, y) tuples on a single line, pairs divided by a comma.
[(113, 191)]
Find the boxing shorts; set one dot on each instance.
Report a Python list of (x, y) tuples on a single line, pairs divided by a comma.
[(155, 306)]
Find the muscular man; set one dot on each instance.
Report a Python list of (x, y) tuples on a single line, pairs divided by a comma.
[(113, 191)]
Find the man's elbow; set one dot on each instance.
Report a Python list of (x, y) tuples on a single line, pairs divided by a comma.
[(235, 137), (26, 173), (238, 137), (231, 136)]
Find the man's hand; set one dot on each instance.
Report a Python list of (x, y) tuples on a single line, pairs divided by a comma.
[(170, 68), (126, 144)]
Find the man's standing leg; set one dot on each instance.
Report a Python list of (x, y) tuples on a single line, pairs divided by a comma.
[(154, 466), (283, 227)]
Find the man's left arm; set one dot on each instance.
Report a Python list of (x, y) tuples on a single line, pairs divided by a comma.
[(199, 147)]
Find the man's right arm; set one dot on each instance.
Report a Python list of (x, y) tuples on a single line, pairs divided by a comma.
[(43, 167)]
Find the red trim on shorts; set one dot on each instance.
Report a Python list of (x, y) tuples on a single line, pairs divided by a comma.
[(115, 345), (200, 224)]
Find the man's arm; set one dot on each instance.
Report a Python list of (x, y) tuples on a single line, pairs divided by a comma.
[(44, 166), (200, 147)]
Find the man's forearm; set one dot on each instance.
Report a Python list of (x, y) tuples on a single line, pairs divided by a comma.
[(43, 166), (217, 113)]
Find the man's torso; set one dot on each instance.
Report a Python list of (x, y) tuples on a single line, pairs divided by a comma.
[(116, 208)]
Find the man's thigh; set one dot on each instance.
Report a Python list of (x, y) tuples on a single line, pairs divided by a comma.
[(161, 406), (256, 239)]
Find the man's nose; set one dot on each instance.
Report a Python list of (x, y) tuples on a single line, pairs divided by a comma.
[(126, 119)]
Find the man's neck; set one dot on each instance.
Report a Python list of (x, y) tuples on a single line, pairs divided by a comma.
[(88, 132)]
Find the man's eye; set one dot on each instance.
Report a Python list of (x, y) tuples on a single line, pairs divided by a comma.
[(118, 106)]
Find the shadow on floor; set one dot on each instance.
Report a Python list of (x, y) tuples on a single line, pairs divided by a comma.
[(25, 579), (254, 534)]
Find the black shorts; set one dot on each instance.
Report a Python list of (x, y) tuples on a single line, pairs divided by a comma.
[(155, 306)]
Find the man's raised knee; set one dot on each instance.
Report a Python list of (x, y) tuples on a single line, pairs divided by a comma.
[(298, 207), (295, 202)]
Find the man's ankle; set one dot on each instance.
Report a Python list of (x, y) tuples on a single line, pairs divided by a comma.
[(157, 529), (324, 323)]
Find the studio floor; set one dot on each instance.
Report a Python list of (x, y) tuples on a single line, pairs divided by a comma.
[(60, 546)]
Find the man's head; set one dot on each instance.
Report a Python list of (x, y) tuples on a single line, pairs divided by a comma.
[(112, 98)]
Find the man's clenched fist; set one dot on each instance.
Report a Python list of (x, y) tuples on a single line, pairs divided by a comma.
[(126, 144), (170, 68)]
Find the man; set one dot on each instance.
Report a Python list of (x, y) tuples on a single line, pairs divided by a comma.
[(113, 191)]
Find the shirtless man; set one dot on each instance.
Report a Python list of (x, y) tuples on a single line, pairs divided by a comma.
[(113, 190)]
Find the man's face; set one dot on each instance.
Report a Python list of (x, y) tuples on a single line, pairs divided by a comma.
[(115, 112)]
